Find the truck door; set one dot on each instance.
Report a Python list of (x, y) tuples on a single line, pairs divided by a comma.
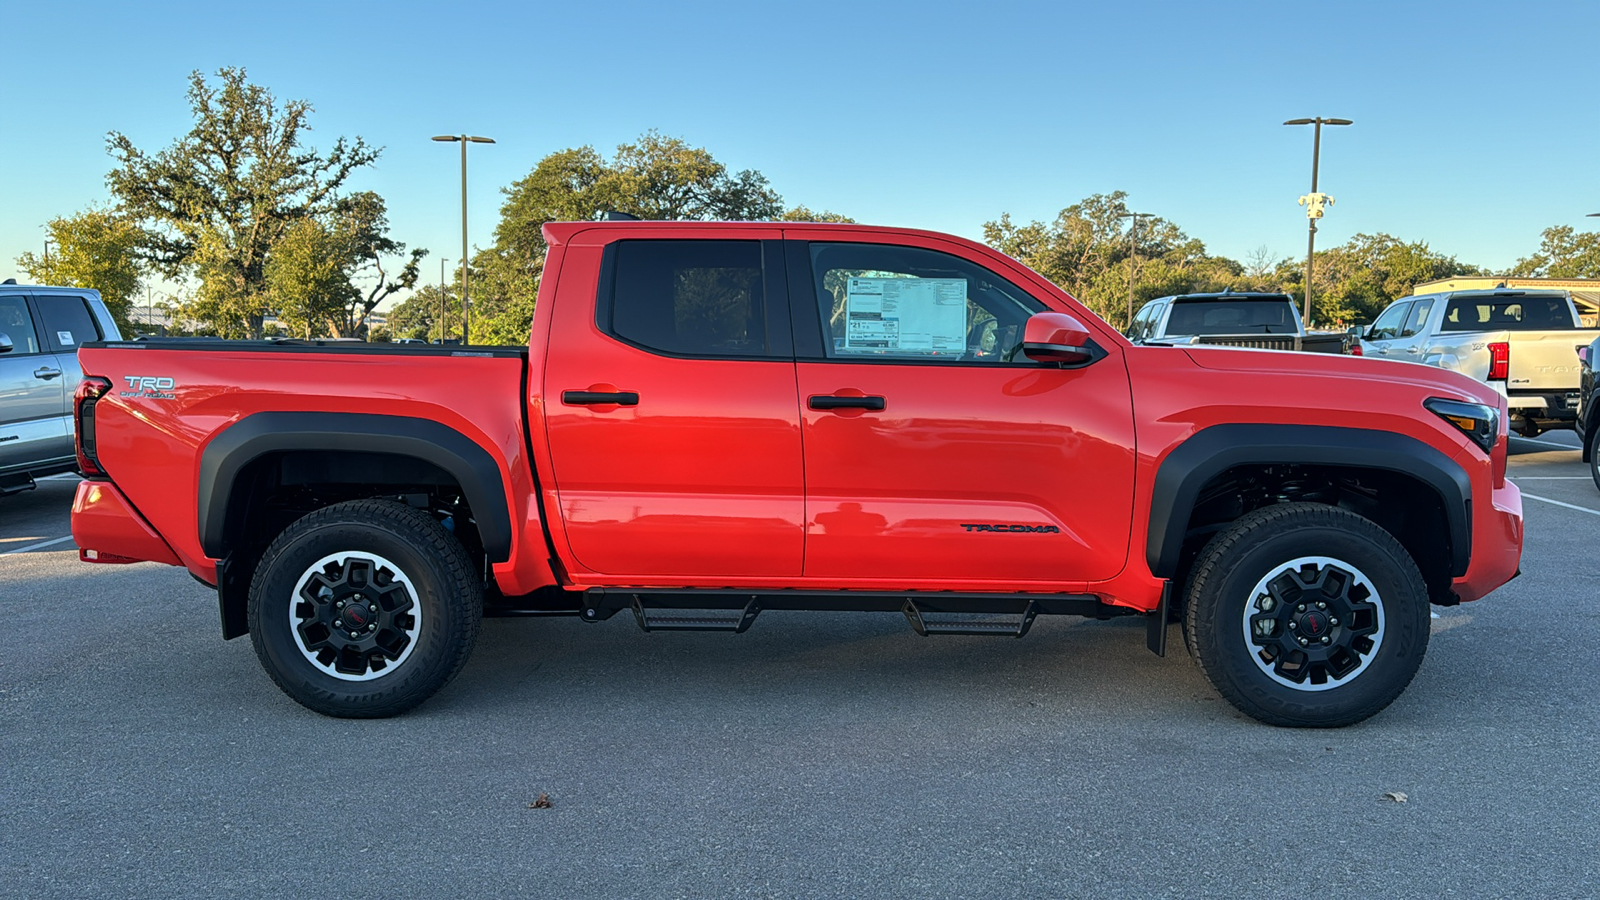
[(935, 452), (1385, 331), (35, 415), (671, 409)]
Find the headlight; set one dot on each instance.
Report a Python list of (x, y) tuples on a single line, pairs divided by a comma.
[(1479, 423)]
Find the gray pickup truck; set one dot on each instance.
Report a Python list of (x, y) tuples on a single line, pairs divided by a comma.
[(40, 331), (1257, 320), (1521, 343)]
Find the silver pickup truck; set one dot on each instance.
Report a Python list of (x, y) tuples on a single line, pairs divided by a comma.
[(1521, 343), (40, 331), (1257, 320)]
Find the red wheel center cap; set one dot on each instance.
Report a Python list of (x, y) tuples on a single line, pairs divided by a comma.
[(1314, 624)]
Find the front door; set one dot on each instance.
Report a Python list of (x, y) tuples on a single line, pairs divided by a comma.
[(673, 422), (934, 451)]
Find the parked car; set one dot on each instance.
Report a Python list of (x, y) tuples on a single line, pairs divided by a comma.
[(1588, 422), (716, 419), (1258, 320), (1520, 343), (41, 329)]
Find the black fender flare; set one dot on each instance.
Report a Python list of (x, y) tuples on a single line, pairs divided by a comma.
[(267, 432), (1212, 451)]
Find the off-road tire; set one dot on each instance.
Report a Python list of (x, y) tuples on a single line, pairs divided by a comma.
[(1594, 451), (444, 595), (1238, 560)]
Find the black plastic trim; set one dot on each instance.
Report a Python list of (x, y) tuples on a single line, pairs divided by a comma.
[(343, 348), (253, 436), (1214, 450)]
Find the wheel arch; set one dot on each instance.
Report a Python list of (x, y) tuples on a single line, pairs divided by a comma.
[(231, 452), (1213, 451)]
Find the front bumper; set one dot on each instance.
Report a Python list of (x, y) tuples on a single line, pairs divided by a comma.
[(1496, 543)]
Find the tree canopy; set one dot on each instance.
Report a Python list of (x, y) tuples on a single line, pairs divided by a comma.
[(1563, 253), (96, 248), (219, 199)]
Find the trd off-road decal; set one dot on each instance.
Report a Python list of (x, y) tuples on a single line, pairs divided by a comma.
[(149, 386), (1034, 529)]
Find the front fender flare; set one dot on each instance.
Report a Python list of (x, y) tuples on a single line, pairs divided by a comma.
[(1212, 451)]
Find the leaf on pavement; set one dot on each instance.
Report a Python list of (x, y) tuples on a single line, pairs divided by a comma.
[(544, 802), (1396, 796)]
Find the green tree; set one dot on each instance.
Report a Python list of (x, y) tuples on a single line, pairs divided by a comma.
[(656, 177), (96, 248), (1088, 252), (219, 198), (1563, 253), (1356, 280), (418, 315)]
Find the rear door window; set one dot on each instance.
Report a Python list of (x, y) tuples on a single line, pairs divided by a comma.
[(17, 324), (1388, 325), (1418, 319), (67, 322), (689, 298)]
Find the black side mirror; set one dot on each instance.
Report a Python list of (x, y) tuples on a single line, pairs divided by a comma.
[(5, 343)]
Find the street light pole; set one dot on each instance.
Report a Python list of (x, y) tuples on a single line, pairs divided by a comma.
[(1314, 202), (1133, 228), (443, 323), (466, 309)]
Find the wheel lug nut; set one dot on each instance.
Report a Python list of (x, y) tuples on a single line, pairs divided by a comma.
[(1291, 626), (1301, 608), (1321, 605), (354, 635), (1332, 621), (372, 628), (1304, 642), (1326, 640), (372, 606), (339, 604)]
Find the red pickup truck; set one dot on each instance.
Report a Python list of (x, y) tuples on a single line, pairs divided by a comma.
[(712, 420)]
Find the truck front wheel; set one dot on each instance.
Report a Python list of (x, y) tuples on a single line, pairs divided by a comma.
[(1307, 615), (364, 609)]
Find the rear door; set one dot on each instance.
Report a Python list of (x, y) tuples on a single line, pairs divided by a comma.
[(671, 410), (35, 421), (934, 453)]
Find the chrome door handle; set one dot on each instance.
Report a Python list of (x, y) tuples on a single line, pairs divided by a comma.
[(1413, 349), (46, 373)]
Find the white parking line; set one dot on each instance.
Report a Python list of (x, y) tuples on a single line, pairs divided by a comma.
[(1548, 477), (1592, 512), (64, 540)]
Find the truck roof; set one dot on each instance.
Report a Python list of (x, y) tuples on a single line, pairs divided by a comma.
[(1228, 295)]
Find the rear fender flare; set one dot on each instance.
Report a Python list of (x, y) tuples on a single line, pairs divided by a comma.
[(252, 437), (1212, 451)]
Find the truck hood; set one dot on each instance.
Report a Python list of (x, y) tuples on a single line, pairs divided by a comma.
[(1378, 372)]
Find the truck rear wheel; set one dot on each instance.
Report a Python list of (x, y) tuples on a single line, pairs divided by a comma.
[(1307, 615), (364, 609)]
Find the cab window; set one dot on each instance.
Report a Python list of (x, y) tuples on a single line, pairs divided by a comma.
[(16, 324), (1418, 319), (688, 298), (885, 302), (1387, 327)]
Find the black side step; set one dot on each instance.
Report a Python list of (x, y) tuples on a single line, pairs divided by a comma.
[(656, 619), (997, 624), (929, 612)]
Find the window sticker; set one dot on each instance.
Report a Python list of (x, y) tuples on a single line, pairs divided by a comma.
[(65, 337), (908, 315)]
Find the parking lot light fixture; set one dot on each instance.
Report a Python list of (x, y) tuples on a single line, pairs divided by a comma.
[(466, 309), (1314, 202)]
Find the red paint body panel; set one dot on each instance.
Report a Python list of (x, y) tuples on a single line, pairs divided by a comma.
[(722, 476), (104, 524)]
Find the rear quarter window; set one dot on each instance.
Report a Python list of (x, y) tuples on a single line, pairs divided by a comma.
[(67, 322)]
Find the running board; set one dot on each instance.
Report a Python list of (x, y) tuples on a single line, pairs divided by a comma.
[(928, 612)]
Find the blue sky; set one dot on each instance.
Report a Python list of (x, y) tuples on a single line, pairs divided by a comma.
[(1477, 125)]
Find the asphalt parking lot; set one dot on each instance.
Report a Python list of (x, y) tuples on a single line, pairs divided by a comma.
[(819, 755)]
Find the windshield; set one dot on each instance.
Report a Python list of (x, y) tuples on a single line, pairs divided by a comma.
[(1507, 314), (1263, 316)]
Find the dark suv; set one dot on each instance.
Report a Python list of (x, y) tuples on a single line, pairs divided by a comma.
[(1589, 395), (40, 331)]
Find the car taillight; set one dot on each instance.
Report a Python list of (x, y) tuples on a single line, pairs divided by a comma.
[(1355, 350), (1499, 361), (89, 392)]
